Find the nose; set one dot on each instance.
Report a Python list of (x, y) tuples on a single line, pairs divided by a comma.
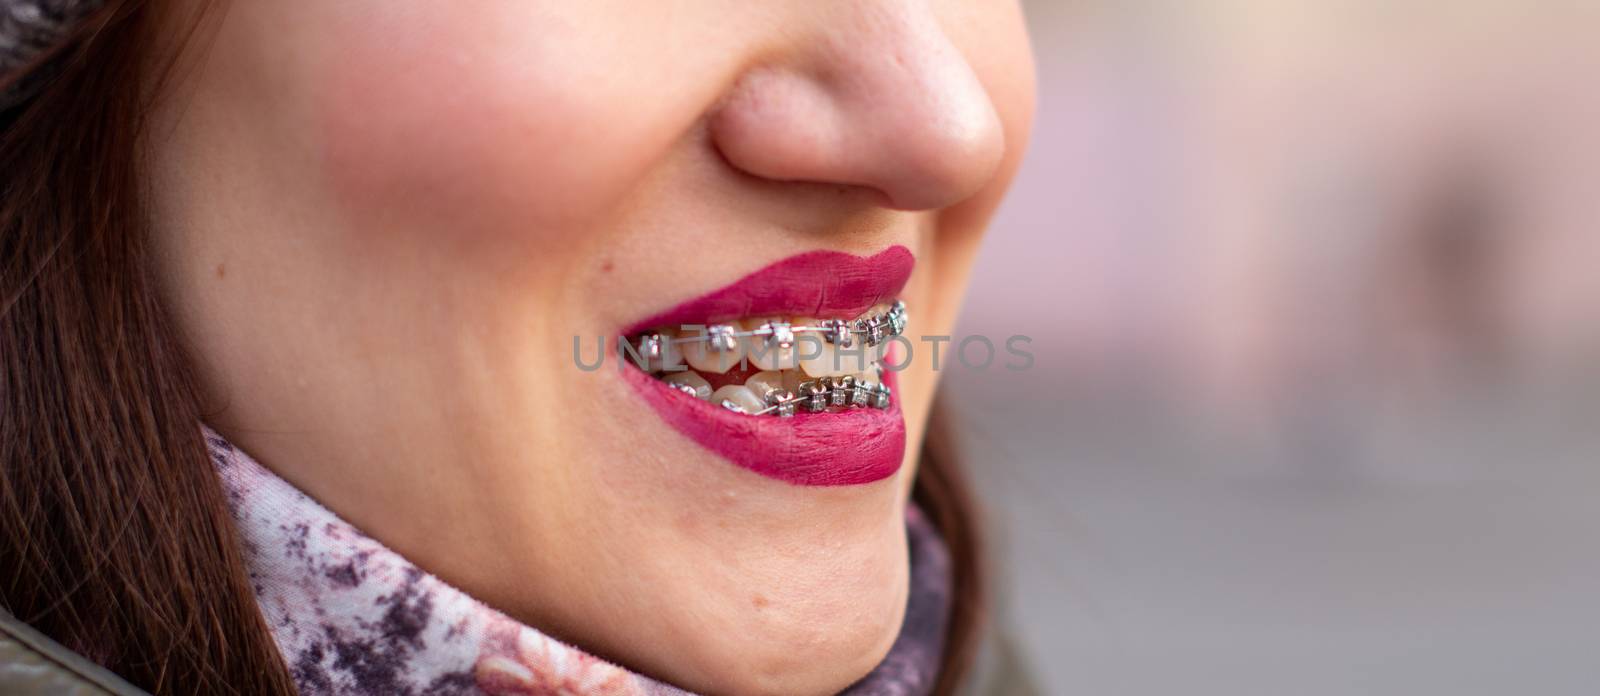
[(876, 96)]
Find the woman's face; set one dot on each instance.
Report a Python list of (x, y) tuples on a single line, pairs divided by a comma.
[(384, 223)]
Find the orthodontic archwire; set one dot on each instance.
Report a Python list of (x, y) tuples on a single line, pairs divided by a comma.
[(815, 395), (818, 394), (723, 337)]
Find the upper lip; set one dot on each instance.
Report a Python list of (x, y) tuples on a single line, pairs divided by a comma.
[(822, 284)]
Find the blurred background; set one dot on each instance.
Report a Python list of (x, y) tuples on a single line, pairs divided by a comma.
[(1314, 293)]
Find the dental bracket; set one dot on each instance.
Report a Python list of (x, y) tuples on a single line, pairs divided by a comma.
[(859, 395), (782, 400), (650, 346), (815, 396), (840, 388), (723, 338), (837, 332), (780, 335), (897, 318), (880, 396), (874, 330)]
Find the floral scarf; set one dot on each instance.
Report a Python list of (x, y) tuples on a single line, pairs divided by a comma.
[(350, 616)]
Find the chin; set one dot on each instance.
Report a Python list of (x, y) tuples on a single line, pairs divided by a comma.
[(815, 630)]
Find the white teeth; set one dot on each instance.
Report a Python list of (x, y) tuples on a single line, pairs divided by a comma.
[(826, 363), (825, 358), (834, 361), (704, 356), (792, 380), (802, 363), (690, 383), (808, 343), (767, 352), (764, 383), (738, 398), (784, 393)]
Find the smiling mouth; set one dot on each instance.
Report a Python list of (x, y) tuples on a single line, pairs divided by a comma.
[(778, 366), (782, 372)]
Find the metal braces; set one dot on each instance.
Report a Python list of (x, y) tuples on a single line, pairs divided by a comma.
[(721, 338), (817, 395)]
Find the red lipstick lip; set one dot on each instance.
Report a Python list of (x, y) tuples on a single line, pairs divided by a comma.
[(821, 284), (810, 449)]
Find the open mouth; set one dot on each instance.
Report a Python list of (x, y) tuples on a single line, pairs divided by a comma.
[(783, 371), (777, 366)]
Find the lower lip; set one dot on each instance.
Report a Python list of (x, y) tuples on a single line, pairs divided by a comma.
[(854, 447)]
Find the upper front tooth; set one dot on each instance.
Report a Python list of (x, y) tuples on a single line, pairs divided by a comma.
[(832, 360), (658, 352), (779, 333), (807, 343), (766, 350), (720, 337), (702, 357), (838, 332)]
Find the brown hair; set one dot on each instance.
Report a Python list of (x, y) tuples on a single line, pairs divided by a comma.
[(115, 536)]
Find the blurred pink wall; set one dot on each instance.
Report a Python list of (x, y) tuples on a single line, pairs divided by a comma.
[(1315, 297)]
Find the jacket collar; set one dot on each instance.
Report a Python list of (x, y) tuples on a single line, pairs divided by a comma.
[(351, 616)]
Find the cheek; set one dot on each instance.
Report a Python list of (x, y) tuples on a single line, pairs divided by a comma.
[(433, 123)]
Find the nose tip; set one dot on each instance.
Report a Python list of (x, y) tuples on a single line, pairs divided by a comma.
[(890, 105)]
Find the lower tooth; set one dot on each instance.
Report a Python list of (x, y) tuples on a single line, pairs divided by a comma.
[(839, 389), (814, 395), (738, 398), (861, 394), (764, 383), (880, 396), (690, 383), (783, 400), (783, 394), (866, 391)]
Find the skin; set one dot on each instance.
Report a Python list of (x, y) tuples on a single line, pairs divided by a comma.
[(382, 222)]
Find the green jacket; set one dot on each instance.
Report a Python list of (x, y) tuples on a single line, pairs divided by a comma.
[(32, 664)]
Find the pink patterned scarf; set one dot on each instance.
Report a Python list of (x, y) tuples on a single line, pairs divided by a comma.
[(350, 616)]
